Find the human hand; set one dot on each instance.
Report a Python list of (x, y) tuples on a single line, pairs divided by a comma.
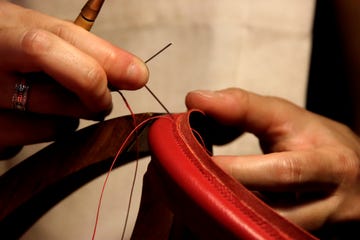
[(77, 68), (312, 157)]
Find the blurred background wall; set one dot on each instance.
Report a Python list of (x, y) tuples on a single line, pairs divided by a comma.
[(259, 45)]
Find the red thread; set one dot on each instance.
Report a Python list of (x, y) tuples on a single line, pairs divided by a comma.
[(121, 148), (200, 140), (128, 107), (136, 166), (136, 127)]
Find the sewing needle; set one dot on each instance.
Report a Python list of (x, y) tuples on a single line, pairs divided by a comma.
[(148, 89), (86, 19)]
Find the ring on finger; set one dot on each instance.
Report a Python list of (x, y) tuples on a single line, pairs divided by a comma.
[(19, 98)]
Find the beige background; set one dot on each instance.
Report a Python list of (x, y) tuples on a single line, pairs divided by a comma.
[(259, 45)]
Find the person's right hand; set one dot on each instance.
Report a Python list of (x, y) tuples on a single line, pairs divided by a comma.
[(76, 67)]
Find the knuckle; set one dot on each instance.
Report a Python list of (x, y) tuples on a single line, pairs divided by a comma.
[(348, 165), (109, 59), (61, 30), (96, 88), (35, 42), (289, 171), (95, 80)]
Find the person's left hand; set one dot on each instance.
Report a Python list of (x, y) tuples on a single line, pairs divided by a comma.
[(311, 165)]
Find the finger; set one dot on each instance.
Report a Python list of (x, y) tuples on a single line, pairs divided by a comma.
[(69, 66), (44, 96), (300, 189), (19, 128), (261, 115), (124, 70), (311, 215), (285, 171)]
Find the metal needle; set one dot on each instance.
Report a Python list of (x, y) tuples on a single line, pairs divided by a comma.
[(86, 20)]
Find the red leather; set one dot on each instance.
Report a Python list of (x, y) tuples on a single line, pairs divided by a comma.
[(209, 202)]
